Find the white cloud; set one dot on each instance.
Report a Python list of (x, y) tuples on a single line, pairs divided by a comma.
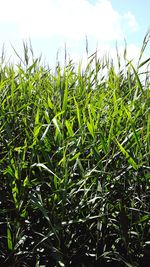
[(60, 21), (131, 21), (67, 18)]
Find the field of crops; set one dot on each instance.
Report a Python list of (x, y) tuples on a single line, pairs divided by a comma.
[(74, 163)]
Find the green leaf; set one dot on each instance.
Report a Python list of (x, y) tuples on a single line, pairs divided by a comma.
[(90, 128), (137, 78), (43, 166), (69, 128), (143, 63), (9, 237), (127, 156)]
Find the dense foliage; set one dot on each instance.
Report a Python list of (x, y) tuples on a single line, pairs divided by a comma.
[(74, 164)]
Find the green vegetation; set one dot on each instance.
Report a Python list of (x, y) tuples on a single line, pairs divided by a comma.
[(74, 163)]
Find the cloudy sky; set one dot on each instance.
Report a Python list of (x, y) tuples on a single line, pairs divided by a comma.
[(50, 24)]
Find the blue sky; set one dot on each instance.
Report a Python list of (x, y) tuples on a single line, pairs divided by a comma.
[(52, 23)]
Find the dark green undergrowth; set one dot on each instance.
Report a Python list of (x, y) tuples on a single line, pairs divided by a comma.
[(74, 164)]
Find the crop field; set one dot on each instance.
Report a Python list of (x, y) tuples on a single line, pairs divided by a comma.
[(74, 163)]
